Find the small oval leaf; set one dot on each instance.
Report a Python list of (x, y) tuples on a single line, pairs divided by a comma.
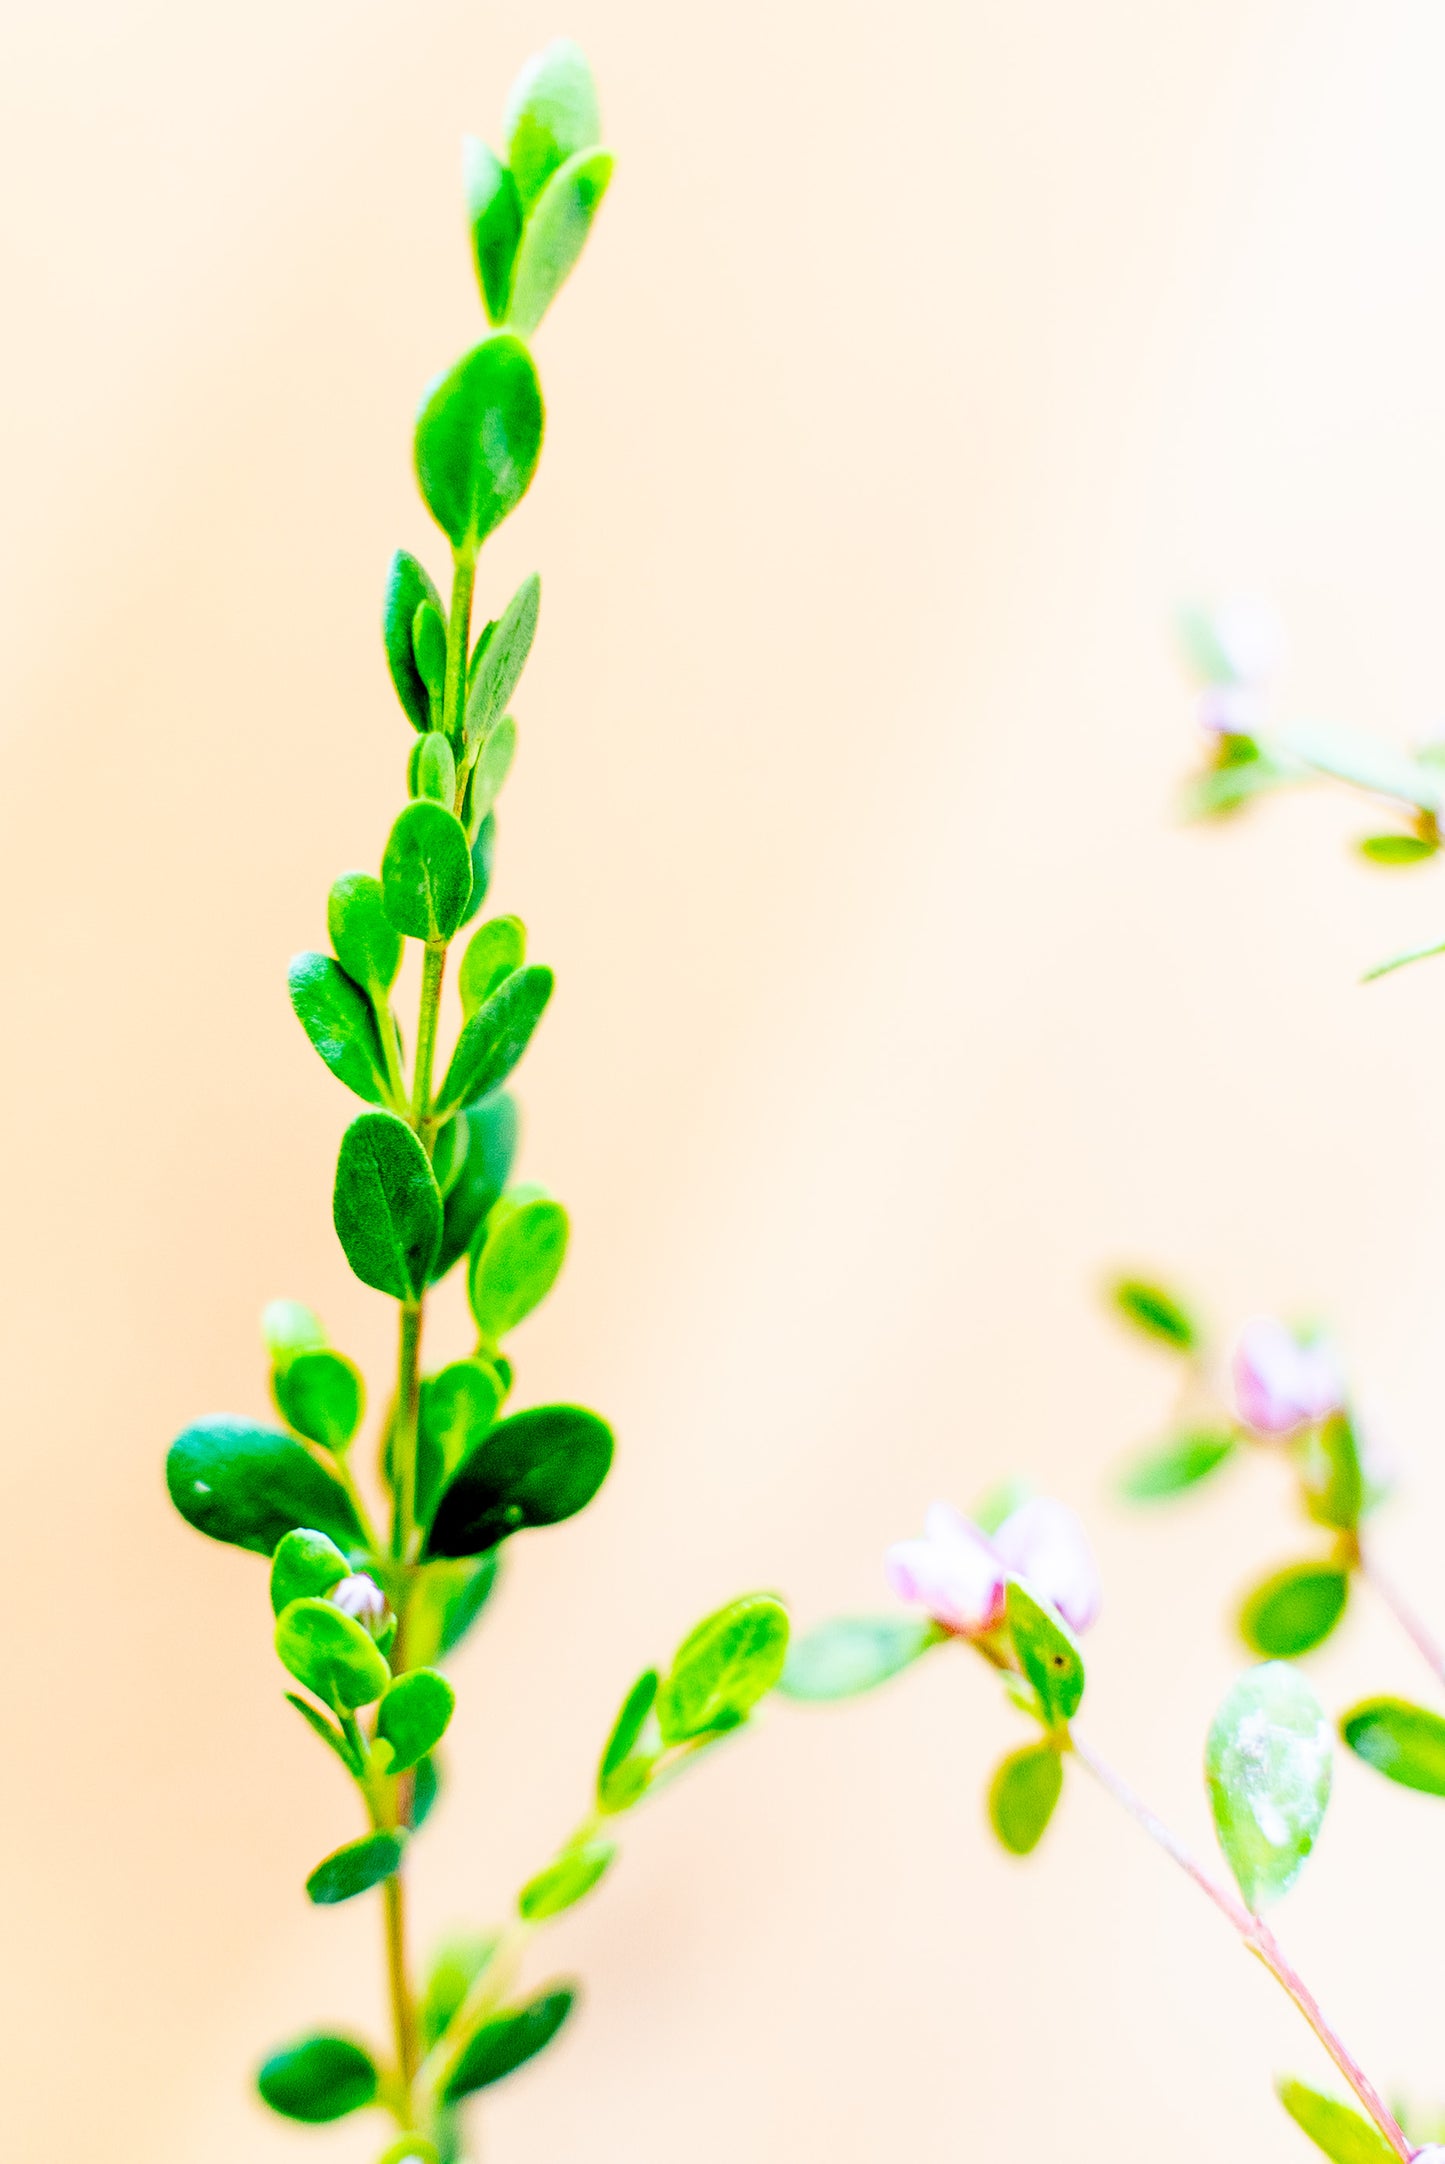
[(237, 1481), (494, 950), (516, 1264), (1341, 2132), (853, 1654), (322, 1396), (478, 439), (386, 1206), (1050, 1658), (318, 2078), (413, 1716), (1269, 1765), (407, 587), (306, 1566), (1295, 1610), (500, 663), (723, 1667), (491, 1146), (555, 235), (535, 1468), (1180, 1463), (494, 213), (508, 2041), (564, 1882), (356, 1868), (1403, 1741), (366, 942), (495, 1038), (331, 1654), (1023, 1794), (336, 1015), (1160, 1314), (552, 112), (426, 872)]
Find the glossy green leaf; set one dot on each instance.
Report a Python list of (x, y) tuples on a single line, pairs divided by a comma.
[(495, 1038), (627, 1759), (535, 1468), (1180, 1463), (1294, 1610), (1158, 1313), (366, 942), (356, 1868), (306, 1566), (426, 1787), (322, 1396), (487, 1163), (566, 1881), (484, 846), (1403, 1741), (337, 1016), (1022, 1796), (458, 1406), (288, 1328), (552, 112), (723, 1667), (429, 644), (478, 439), (331, 1653), (413, 1716), (494, 950), (1398, 849), (516, 1264), (1345, 2136), (508, 2041), (249, 1485), (501, 662), (407, 586), (431, 771), (1331, 1474), (1269, 1764), (318, 2078), (494, 214), (426, 871), (386, 1206), (1046, 1649), (327, 1730), (853, 1654), (556, 234), (454, 1968)]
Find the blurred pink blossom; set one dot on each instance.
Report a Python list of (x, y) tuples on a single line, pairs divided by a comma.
[(1044, 1542), (1281, 1384), (359, 1597), (958, 1573)]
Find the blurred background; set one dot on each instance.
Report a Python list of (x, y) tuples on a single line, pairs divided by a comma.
[(924, 360)]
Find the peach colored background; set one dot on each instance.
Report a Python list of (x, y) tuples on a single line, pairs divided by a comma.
[(926, 356)]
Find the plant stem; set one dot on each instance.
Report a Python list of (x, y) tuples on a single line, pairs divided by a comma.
[(459, 631), (1258, 1938), (490, 1988), (434, 962), (402, 2013), (1419, 1636), (403, 1432)]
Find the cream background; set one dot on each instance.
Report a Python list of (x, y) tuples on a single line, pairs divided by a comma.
[(925, 357)]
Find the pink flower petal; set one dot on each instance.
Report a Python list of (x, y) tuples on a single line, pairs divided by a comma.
[(1044, 1542), (952, 1572), (1280, 1384)]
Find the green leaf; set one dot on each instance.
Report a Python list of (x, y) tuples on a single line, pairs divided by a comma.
[(1269, 1764), (366, 942), (1400, 1740), (356, 1868), (1363, 761), (853, 1654), (407, 586), (556, 233), (1022, 1796), (386, 1206), (327, 1730), (331, 1653), (501, 662), (1331, 1474), (458, 1406), (1397, 849), (565, 1881), (494, 213), (426, 1786), (322, 1396), (494, 763), (318, 2078), (1159, 1314), (484, 846), (478, 439), (306, 1565), (288, 1328), (491, 1146), (1051, 1660), (552, 112), (623, 1772), (508, 2041), (1343, 2134), (1402, 961), (495, 1038), (431, 772), (723, 1668), (426, 872), (516, 1264), (413, 1716), (494, 950), (1294, 1610), (455, 1967), (429, 644), (1180, 1463), (239, 1482), (536, 1468), (336, 1015)]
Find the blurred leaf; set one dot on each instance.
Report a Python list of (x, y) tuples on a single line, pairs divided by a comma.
[(556, 234), (1022, 1796), (356, 1868), (483, 849), (331, 1653), (239, 1482), (386, 1207), (1180, 1463), (494, 763), (516, 1264), (501, 662), (1343, 2134), (1402, 961), (1269, 1765), (431, 772), (336, 1015), (322, 1396), (447, 1598), (413, 1716), (1363, 761), (495, 1038), (1295, 1610), (618, 1756), (478, 439), (407, 586), (491, 1126), (306, 1565), (1400, 1740), (1397, 849), (1156, 1312), (1230, 786), (565, 1881), (458, 1406), (454, 1968), (494, 950), (426, 872), (494, 214), (552, 113), (1050, 1659), (318, 2078), (723, 1667), (853, 1654), (508, 2041), (1330, 1473), (288, 1328), (367, 943), (535, 1468)]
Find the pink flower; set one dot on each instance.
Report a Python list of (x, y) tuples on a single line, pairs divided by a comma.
[(958, 1574), (1281, 1384), (361, 1598)]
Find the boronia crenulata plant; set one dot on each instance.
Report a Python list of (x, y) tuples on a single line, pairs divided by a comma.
[(368, 1603), (1016, 1582)]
